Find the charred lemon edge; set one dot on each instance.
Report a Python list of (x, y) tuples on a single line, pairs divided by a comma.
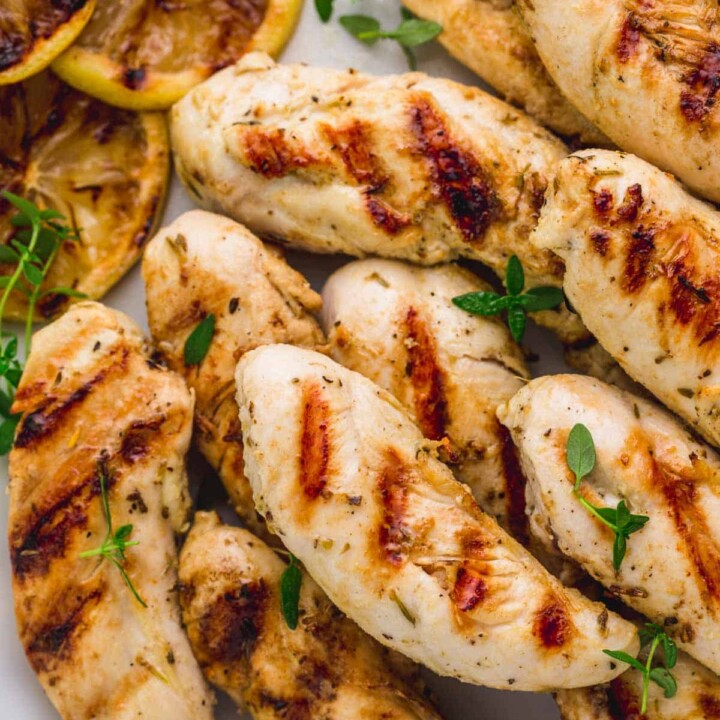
[(44, 51), (154, 184), (101, 77)]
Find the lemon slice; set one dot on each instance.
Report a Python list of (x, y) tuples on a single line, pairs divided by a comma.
[(103, 168), (34, 32), (146, 54)]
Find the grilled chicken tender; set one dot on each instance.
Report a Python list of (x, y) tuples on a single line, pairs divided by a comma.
[(396, 324), (671, 572), (325, 668), (204, 263), (697, 698), (344, 476), (404, 166), (643, 262), (94, 405), (646, 73), (490, 38)]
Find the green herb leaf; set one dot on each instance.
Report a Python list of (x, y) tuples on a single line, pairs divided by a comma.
[(580, 452), (198, 343), (324, 9), (28, 209), (414, 32), (490, 303), (517, 322), (290, 583), (116, 543), (70, 292), (8, 255), (363, 27), (514, 276), (481, 303), (33, 275), (661, 676), (7, 433), (624, 657), (542, 298)]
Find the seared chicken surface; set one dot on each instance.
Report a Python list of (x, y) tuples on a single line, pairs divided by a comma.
[(697, 698), (326, 668), (204, 263), (94, 405), (404, 166), (646, 72), (490, 38), (643, 262), (396, 324), (671, 572), (350, 484)]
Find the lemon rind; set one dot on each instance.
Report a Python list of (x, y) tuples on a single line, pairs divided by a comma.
[(45, 50), (101, 77)]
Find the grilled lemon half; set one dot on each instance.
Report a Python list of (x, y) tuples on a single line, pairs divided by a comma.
[(146, 54), (34, 32), (104, 169)]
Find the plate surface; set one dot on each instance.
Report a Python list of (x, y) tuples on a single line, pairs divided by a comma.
[(21, 696)]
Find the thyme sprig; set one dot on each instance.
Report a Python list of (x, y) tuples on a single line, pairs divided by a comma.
[(516, 303), (116, 541), (580, 457), (39, 236), (290, 583), (655, 637)]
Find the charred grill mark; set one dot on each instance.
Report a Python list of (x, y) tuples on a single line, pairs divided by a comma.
[(270, 153), (231, 626), (136, 440), (134, 78), (517, 520), (692, 527), (602, 201), (469, 588), (632, 202), (394, 532), (623, 702), (710, 705), (353, 143), (314, 442), (44, 535), (46, 19), (703, 83), (600, 241), (458, 178), (641, 251), (142, 235), (426, 376), (629, 39), (55, 642), (696, 302), (48, 417), (553, 626)]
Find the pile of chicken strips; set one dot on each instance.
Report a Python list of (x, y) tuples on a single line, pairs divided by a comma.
[(410, 495)]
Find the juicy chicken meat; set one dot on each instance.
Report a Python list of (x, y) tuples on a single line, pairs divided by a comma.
[(643, 262), (204, 263), (95, 406), (403, 166), (646, 73), (325, 668), (697, 698), (448, 369), (347, 480), (490, 38), (671, 572)]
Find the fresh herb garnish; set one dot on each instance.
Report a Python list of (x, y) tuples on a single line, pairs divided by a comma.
[(654, 636), (409, 34), (115, 543), (198, 342), (580, 457), (290, 592), (39, 236), (324, 9), (516, 303)]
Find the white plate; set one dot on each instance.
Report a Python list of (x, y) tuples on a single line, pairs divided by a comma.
[(21, 695)]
